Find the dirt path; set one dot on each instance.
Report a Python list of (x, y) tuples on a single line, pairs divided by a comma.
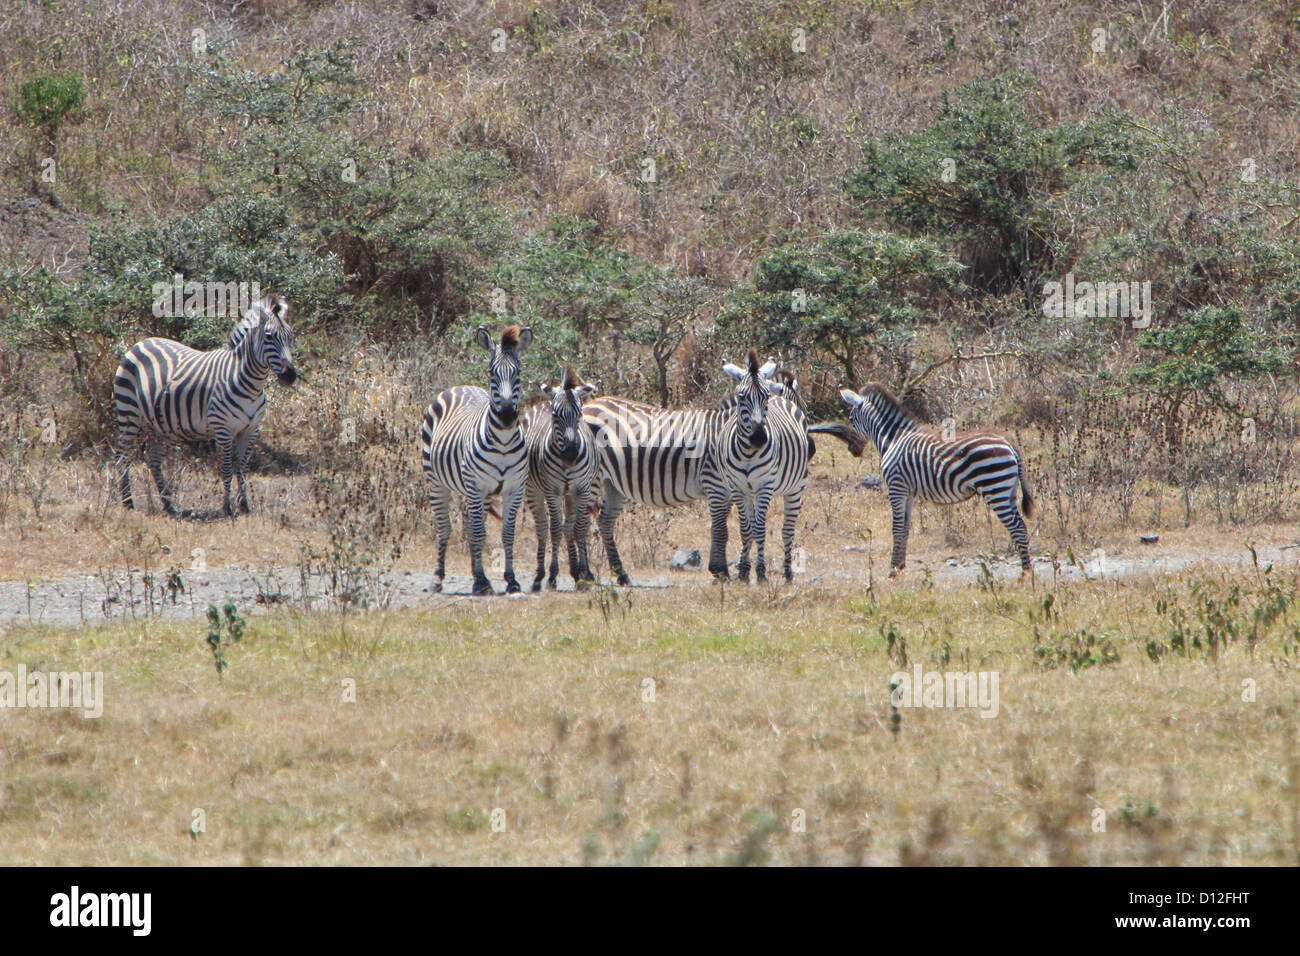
[(93, 599)]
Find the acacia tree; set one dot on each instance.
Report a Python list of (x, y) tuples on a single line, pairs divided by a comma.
[(847, 295)]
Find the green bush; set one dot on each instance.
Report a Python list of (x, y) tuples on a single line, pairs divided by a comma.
[(848, 296), (46, 101), (985, 172), (414, 234)]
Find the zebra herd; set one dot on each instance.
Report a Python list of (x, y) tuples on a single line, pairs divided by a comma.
[(574, 455)]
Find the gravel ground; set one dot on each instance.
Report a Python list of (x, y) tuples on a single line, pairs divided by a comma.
[(92, 599)]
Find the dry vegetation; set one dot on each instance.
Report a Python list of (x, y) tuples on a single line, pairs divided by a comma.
[(1120, 692), (763, 702)]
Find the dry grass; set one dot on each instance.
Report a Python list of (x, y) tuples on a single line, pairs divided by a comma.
[(766, 701)]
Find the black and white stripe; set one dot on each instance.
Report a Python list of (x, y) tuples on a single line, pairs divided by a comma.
[(916, 463), (167, 392), (561, 477), (666, 458), (472, 445), (648, 455), (761, 453)]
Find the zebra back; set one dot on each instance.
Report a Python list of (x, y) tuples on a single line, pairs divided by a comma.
[(652, 455)]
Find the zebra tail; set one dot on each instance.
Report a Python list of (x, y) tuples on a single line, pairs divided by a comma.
[(846, 433), (1026, 499)]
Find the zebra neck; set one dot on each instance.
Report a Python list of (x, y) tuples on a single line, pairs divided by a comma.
[(888, 429), (251, 367), (496, 432)]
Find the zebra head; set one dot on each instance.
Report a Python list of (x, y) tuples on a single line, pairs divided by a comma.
[(876, 414), (503, 369), (273, 339), (566, 415), (752, 395)]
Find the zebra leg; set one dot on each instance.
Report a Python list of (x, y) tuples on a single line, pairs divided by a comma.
[(155, 454), (243, 452), (439, 498), (579, 533), (227, 448), (477, 537), (900, 503), (719, 508), (609, 513), (745, 513), (555, 510), (793, 504), (570, 502), (537, 504), (1004, 506), (510, 501), (128, 437), (758, 532)]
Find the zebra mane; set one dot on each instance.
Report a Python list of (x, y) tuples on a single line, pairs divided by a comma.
[(256, 312), (570, 378), (510, 338), (887, 400), (248, 322)]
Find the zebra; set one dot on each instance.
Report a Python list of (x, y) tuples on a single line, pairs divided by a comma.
[(662, 458), (761, 452), (472, 444), (561, 476), (916, 463), (169, 392)]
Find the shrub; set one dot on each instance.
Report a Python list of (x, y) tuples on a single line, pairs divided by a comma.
[(844, 296), (984, 172)]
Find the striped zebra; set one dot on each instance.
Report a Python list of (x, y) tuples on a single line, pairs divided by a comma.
[(561, 477), (761, 452), (472, 445), (916, 463), (662, 458), (169, 392)]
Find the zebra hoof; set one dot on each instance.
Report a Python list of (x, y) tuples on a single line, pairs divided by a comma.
[(537, 585), (624, 580), (482, 588), (582, 584), (512, 586), (436, 587)]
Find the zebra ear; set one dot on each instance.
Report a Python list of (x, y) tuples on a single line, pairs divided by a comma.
[(767, 370), (483, 338), (851, 398), (587, 390), (546, 389), (525, 338), (776, 388), (734, 371)]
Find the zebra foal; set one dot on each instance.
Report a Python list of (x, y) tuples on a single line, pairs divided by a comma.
[(561, 477), (916, 463), (167, 392), (471, 444)]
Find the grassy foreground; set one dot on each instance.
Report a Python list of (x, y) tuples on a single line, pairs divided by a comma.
[(689, 725)]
